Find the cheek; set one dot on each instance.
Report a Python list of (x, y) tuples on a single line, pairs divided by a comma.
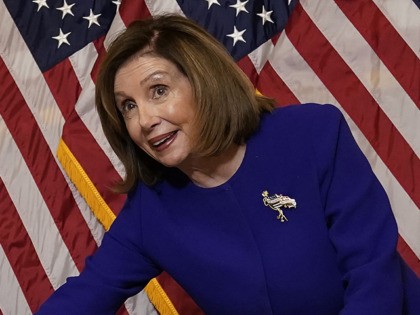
[(133, 130)]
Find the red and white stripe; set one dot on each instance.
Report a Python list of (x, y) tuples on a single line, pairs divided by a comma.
[(46, 227)]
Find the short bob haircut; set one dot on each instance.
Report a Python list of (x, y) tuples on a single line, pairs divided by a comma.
[(228, 109)]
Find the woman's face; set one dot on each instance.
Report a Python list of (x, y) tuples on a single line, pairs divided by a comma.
[(157, 103)]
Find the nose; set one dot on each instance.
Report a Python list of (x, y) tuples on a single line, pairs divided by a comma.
[(147, 117)]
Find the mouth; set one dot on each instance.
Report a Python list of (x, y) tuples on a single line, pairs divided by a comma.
[(163, 141)]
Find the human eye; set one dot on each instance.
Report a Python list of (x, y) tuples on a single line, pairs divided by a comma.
[(126, 107), (159, 91)]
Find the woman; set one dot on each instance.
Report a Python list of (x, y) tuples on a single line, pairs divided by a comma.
[(253, 210)]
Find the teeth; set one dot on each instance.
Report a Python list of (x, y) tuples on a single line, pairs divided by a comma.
[(161, 141)]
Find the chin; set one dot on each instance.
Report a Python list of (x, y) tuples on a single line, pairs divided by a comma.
[(170, 163), (173, 159)]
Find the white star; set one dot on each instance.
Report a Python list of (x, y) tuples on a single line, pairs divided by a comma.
[(62, 38), (66, 9), (92, 18), (211, 2), (265, 15), (236, 35), (240, 6), (41, 3)]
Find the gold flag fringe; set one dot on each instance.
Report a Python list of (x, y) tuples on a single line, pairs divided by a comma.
[(159, 298), (84, 185), (105, 216)]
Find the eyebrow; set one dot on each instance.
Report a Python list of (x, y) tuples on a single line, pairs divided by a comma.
[(119, 94), (152, 76)]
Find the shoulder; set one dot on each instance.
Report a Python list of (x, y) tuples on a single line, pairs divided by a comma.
[(310, 131), (129, 225), (129, 218), (308, 113), (307, 122)]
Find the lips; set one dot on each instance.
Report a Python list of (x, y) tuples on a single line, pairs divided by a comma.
[(163, 141)]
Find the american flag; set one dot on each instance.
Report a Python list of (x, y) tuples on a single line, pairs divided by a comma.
[(56, 165)]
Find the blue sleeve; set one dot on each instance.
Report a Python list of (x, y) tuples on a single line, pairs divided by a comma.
[(361, 224), (117, 271)]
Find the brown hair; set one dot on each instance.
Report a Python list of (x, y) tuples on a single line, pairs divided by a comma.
[(228, 109)]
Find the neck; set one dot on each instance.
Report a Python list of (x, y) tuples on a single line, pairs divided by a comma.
[(213, 171)]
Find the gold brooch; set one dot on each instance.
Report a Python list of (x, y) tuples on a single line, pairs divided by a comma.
[(276, 202)]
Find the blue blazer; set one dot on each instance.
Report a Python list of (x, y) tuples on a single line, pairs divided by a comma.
[(335, 252)]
